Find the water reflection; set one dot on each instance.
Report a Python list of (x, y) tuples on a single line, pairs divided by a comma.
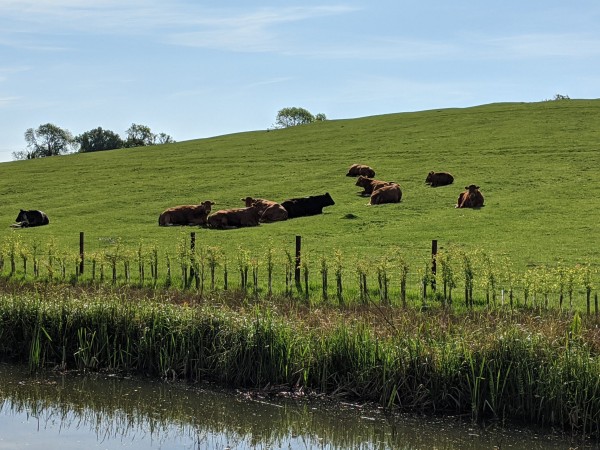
[(62, 412)]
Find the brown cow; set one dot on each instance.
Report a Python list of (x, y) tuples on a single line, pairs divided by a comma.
[(369, 185), (386, 194), (186, 214), (471, 198), (436, 179), (235, 218), (360, 169), (270, 211)]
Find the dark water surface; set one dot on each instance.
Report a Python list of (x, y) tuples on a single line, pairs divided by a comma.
[(53, 412)]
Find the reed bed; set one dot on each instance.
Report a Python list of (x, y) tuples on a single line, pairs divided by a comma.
[(489, 364), (463, 279)]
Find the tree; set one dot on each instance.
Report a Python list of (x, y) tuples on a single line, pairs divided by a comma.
[(23, 154), (163, 138), (98, 139), (141, 135), (47, 140), (290, 117)]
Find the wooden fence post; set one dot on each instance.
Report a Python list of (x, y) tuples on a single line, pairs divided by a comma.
[(192, 248), (434, 247), (192, 240), (81, 253), (298, 260)]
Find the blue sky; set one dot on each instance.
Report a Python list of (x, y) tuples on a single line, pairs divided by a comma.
[(197, 69)]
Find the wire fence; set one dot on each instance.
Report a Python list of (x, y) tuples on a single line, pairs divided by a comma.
[(449, 277)]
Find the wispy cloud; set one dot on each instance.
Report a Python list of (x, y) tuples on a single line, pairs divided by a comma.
[(34, 8), (242, 29), (8, 71), (545, 45), (208, 90), (374, 48), (254, 31), (7, 101), (269, 82), (26, 24), (515, 47)]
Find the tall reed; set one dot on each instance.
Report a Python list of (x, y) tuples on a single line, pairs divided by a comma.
[(324, 274), (338, 268), (213, 256), (484, 276), (383, 280)]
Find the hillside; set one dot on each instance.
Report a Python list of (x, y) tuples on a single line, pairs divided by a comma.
[(536, 164)]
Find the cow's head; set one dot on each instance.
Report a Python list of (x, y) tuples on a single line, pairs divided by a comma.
[(207, 205), (248, 201), (22, 216), (363, 181), (368, 171), (429, 177), (472, 188)]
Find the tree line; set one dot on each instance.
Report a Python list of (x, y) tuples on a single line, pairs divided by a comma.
[(51, 140)]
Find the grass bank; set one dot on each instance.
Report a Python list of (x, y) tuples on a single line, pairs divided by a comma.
[(536, 369), (535, 164)]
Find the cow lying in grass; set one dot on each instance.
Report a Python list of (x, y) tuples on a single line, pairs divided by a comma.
[(435, 179), (31, 218), (270, 211), (307, 206), (186, 214), (386, 194), (471, 198), (369, 185), (360, 169), (235, 218)]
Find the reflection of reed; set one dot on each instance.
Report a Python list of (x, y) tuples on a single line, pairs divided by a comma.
[(122, 408), (115, 408)]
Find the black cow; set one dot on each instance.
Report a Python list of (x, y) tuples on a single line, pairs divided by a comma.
[(32, 218), (307, 206)]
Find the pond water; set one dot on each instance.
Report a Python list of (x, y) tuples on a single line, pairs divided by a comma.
[(53, 412)]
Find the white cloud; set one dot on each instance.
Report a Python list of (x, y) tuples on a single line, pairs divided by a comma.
[(246, 32), (48, 6), (232, 29)]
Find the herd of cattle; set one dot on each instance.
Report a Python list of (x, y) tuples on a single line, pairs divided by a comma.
[(258, 210)]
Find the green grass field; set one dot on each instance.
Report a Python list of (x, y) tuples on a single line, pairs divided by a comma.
[(535, 164)]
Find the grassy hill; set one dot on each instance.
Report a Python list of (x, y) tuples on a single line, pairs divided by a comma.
[(536, 164)]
